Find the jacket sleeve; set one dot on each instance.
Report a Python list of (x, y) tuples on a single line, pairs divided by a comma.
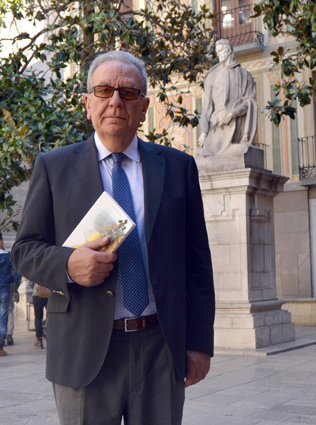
[(14, 275), (34, 253)]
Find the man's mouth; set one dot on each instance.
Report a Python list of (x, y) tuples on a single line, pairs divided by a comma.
[(115, 118)]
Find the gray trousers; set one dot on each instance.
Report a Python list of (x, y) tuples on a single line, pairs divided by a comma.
[(137, 382)]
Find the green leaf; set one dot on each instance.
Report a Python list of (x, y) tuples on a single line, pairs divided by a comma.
[(313, 60)]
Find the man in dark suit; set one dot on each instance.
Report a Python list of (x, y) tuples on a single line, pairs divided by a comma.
[(126, 335)]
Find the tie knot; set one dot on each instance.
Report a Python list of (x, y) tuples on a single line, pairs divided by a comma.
[(118, 157)]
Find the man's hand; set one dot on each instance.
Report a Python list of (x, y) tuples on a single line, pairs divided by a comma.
[(89, 267), (197, 367)]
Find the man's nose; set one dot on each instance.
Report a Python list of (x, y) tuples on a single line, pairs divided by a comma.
[(116, 100)]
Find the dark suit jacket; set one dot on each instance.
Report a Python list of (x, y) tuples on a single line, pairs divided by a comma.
[(64, 185)]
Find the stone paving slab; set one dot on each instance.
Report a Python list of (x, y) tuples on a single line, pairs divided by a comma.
[(239, 390)]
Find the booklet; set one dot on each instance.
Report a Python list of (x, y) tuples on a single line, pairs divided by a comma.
[(105, 218)]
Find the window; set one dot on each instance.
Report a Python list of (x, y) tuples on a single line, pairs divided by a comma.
[(233, 20), (243, 12), (228, 13)]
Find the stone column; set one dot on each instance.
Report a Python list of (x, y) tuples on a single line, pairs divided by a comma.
[(25, 298), (238, 204)]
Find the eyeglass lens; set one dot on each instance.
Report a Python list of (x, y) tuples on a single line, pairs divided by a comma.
[(127, 93)]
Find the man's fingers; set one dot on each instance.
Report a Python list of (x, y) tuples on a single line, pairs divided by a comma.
[(87, 266), (190, 377), (98, 243), (197, 365)]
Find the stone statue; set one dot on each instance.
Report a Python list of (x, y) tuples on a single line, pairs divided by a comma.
[(229, 114)]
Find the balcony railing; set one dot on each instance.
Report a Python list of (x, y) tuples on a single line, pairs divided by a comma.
[(307, 157), (237, 26)]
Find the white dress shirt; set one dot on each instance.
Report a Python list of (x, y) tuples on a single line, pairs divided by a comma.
[(133, 169)]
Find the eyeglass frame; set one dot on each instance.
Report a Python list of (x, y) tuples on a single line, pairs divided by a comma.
[(114, 89)]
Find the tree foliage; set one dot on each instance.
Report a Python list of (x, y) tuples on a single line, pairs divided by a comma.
[(297, 19), (42, 78)]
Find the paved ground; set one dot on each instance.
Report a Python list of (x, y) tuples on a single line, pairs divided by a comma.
[(249, 389)]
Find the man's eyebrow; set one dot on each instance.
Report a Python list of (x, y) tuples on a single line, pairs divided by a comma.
[(103, 83)]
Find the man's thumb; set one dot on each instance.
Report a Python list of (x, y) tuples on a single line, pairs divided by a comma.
[(98, 243)]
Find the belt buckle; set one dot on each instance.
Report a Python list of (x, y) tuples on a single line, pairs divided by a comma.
[(126, 319)]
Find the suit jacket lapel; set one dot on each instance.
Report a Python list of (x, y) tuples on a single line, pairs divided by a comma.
[(85, 164), (86, 167), (153, 165)]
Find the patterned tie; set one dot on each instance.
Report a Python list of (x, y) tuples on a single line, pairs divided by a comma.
[(131, 270)]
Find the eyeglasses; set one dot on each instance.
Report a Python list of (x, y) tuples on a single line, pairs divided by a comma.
[(127, 93)]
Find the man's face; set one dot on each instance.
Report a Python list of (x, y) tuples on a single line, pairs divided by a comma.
[(222, 53), (115, 118), (1, 244)]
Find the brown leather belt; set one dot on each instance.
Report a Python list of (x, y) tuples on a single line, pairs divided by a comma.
[(130, 325)]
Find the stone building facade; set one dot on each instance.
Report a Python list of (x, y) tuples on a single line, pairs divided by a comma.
[(289, 150)]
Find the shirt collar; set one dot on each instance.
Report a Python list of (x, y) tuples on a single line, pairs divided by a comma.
[(131, 151)]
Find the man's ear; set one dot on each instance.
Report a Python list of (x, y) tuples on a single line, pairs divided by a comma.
[(87, 100), (146, 102)]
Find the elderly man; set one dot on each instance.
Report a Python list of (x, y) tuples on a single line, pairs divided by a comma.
[(229, 116), (125, 333)]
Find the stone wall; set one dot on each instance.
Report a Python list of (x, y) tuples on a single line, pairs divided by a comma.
[(292, 243)]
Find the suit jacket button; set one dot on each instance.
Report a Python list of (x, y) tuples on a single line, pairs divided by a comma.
[(110, 294)]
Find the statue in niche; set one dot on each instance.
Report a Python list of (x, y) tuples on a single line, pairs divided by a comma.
[(229, 114)]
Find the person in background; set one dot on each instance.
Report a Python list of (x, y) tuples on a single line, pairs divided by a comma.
[(14, 298), (39, 304), (7, 276)]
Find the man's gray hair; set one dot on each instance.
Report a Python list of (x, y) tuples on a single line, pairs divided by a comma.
[(118, 55), (227, 44)]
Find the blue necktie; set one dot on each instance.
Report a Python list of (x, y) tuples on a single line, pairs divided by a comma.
[(131, 270)]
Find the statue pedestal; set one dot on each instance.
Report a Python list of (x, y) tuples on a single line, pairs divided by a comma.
[(238, 206)]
